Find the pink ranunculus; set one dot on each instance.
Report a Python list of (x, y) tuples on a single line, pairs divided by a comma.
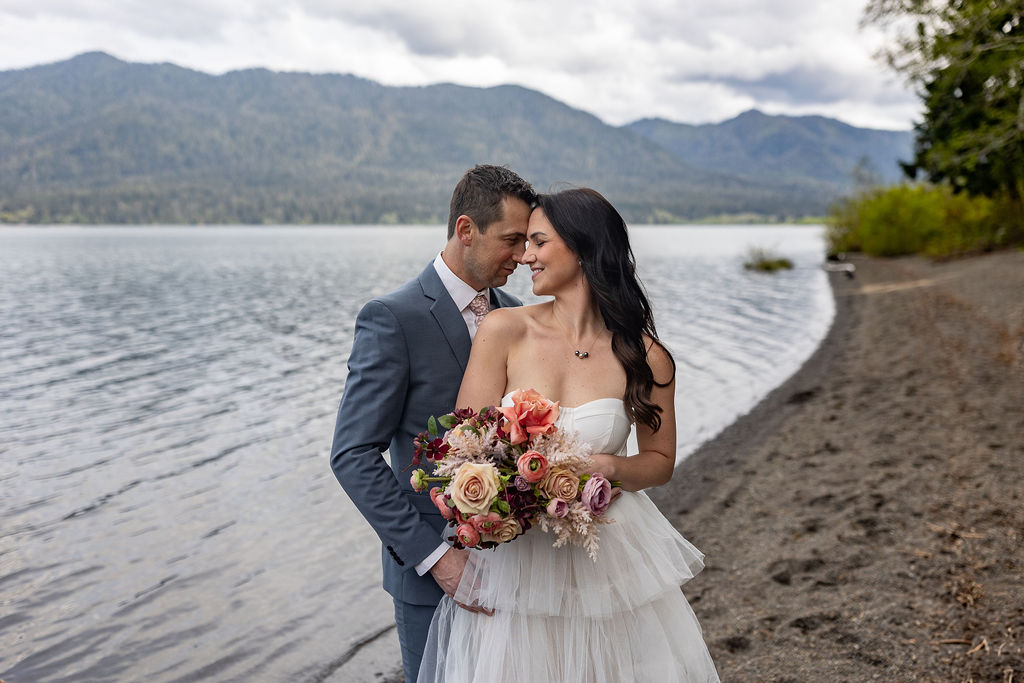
[(597, 494), (418, 480), (558, 508), (532, 466), (529, 415), (447, 511), (485, 524), (469, 536)]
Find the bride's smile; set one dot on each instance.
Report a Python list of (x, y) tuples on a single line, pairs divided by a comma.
[(552, 264)]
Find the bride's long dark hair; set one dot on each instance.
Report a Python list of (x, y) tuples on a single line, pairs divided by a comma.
[(596, 233)]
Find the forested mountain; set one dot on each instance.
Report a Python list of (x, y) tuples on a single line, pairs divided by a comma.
[(804, 148), (96, 139)]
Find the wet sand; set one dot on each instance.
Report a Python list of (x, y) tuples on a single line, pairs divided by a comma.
[(864, 521)]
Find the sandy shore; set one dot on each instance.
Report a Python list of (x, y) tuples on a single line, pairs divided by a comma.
[(864, 522)]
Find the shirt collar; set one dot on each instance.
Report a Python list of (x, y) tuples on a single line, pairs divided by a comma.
[(460, 292)]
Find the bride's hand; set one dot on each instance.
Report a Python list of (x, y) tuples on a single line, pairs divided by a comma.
[(606, 465)]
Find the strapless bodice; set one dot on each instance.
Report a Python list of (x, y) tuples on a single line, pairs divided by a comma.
[(603, 423)]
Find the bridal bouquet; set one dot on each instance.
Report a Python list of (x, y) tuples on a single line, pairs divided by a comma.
[(504, 470)]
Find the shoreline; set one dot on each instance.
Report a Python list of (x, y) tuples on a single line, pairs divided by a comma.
[(864, 520), (716, 459)]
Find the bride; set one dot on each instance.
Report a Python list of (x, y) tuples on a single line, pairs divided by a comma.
[(553, 614)]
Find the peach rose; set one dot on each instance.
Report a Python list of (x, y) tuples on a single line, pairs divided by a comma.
[(505, 530), (560, 483), (474, 487), (532, 466), (529, 415)]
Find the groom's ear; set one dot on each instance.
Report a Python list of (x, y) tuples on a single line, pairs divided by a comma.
[(465, 229)]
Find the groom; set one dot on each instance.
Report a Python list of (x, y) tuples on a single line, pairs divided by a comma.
[(408, 356)]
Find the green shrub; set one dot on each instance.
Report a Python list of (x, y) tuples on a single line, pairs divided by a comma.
[(910, 219), (967, 227)]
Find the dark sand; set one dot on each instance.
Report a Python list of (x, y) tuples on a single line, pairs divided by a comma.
[(864, 522)]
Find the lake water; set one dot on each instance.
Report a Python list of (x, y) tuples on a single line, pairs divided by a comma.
[(167, 401)]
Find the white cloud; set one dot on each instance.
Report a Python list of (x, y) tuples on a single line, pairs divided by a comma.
[(685, 61)]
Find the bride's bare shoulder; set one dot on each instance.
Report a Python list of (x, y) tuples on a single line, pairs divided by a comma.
[(503, 324), (511, 319)]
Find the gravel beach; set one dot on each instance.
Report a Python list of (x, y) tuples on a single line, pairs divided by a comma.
[(864, 521)]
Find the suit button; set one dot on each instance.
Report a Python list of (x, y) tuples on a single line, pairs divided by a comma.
[(393, 554)]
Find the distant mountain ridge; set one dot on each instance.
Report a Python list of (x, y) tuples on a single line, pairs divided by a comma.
[(757, 145), (95, 139)]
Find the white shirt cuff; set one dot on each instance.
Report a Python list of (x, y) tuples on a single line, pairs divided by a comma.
[(431, 559)]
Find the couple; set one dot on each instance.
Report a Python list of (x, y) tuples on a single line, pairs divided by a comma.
[(524, 611)]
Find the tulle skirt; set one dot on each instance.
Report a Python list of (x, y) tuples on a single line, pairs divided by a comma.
[(561, 616)]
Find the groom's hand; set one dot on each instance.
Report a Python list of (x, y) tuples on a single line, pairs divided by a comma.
[(448, 572)]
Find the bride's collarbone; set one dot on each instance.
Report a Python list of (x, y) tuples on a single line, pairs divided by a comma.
[(545, 346), (567, 379)]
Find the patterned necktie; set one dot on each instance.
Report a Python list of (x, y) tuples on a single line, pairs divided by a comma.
[(480, 308)]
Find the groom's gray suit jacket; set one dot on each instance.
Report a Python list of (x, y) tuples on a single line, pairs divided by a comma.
[(408, 356)]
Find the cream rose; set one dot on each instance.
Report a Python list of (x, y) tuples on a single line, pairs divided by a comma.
[(560, 483), (474, 487), (505, 530)]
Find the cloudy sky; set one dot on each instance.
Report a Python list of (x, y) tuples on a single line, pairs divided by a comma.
[(687, 60)]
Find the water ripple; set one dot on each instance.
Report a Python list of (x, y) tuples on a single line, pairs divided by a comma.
[(167, 398)]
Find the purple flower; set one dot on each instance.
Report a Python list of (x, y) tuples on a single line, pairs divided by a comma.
[(597, 494), (558, 508), (521, 483)]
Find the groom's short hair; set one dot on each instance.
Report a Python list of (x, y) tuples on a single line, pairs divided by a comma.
[(480, 191)]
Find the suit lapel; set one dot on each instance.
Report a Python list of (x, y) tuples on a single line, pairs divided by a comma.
[(447, 316), (500, 299)]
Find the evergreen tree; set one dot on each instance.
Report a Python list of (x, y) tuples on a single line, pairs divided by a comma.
[(967, 59)]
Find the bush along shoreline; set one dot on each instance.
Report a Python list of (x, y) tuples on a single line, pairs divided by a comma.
[(765, 261), (923, 219)]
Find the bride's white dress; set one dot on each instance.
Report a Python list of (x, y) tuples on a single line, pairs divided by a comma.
[(560, 616)]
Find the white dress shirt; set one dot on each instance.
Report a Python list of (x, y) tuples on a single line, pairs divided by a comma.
[(462, 294)]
